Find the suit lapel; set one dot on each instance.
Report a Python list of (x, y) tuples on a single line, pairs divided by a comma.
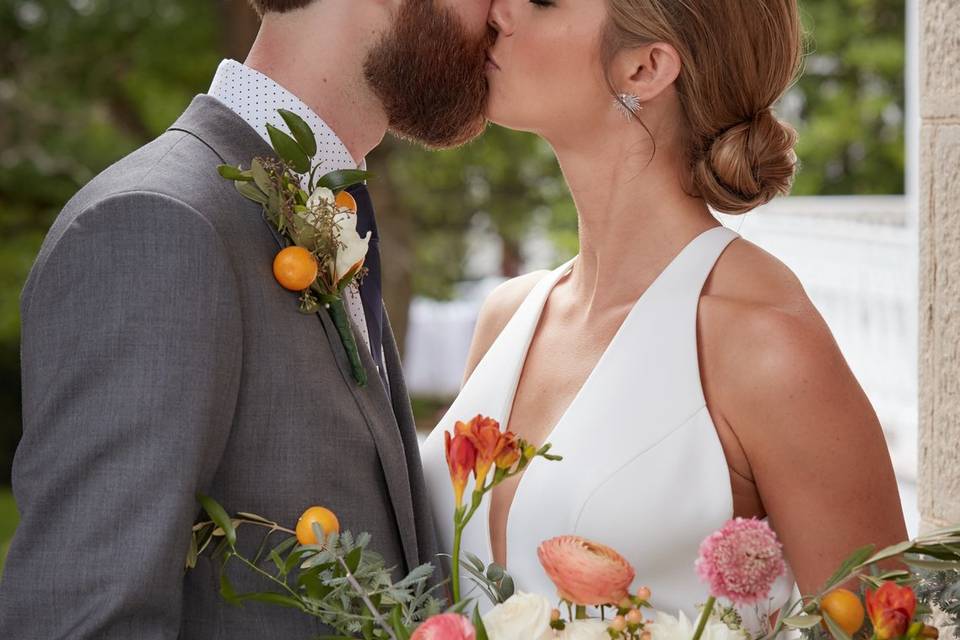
[(235, 143)]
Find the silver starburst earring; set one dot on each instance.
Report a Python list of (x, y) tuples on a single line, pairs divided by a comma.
[(628, 104)]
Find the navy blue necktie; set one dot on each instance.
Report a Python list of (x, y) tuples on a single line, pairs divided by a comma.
[(370, 288)]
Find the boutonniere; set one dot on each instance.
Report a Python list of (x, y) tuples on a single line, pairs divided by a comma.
[(319, 219)]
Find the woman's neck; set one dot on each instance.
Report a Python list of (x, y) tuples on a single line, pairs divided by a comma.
[(634, 217)]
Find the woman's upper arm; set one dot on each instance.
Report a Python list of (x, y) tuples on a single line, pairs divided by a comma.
[(495, 313), (814, 444)]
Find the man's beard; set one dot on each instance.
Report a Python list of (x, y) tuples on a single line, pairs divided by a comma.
[(430, 75)]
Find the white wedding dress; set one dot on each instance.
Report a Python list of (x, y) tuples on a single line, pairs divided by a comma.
[(643, 470)]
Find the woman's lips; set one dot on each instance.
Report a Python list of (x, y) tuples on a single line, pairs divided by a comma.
[(491, 63)]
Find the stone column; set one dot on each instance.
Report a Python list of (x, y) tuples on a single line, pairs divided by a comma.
[(939, 195)]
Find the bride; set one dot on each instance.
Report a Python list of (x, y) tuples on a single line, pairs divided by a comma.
[(681, 371)]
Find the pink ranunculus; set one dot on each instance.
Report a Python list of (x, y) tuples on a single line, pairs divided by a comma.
[(584, 572), (446, 626), (741, 561)]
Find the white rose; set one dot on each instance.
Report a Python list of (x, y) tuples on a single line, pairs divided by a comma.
[(666, 627), (524, 616), (353, 249), (585, 630), (321, 195)]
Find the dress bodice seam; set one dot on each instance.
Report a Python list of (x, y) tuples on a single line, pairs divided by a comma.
[(653, 445)]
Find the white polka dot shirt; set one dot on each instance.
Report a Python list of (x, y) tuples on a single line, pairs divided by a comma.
[(255, 98)]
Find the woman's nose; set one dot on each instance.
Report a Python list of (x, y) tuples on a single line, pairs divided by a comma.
[(500, 18)]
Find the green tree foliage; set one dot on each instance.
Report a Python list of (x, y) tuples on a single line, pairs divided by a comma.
[(83, 82)]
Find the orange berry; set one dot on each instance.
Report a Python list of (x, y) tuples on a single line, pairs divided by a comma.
[(643, 593), (634, 617), (324, 517), (346, 201), (845, 608), (554, 615), (295, 268)]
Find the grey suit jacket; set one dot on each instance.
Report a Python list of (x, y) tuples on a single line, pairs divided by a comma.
[(161, 359)]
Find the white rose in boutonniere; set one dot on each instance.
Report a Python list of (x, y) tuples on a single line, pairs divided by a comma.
[(352, 250), (524, 616)]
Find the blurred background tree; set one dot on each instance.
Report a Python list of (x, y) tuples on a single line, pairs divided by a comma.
[(83, 82)]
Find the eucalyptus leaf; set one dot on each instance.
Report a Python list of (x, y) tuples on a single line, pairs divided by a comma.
[(226, 589), (474, 560), (260, 177), (301, 131), (495, 572), (288, 149), (891, 551), (340, 180), (220, 517), (507, 588), (250, 191)]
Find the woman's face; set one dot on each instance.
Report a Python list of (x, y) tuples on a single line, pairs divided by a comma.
[(544, 71)]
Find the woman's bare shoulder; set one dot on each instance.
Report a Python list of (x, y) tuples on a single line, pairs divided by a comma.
[(496, 312)]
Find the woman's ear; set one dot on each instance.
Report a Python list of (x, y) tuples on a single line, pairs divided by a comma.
[(645, 71)]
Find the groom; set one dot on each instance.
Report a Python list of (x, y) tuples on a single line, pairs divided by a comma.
[(161, 359)]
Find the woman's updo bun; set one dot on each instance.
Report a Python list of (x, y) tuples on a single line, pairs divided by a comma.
[(738, 57), (747, 165)]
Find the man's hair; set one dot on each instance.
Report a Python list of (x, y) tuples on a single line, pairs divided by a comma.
[(278, 6)]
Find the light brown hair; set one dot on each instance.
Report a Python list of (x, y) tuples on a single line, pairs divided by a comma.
[(738, 58)]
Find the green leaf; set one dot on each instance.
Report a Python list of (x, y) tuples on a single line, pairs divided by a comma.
[(226, 589), (855, 559), (219, 517), (301, 131), (933, 565), (474, 560), (193, 552), (396, 620), (507, 588), (353, 559), (250, 191), (288, 149), (495, 572), (890, 552), (835, 630), (234, 173), (478, 625), (340, 180), (276, 554), (261, 178), (272, 598), (802, 622)]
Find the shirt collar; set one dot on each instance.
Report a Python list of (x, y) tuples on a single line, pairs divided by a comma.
[(256, 97)]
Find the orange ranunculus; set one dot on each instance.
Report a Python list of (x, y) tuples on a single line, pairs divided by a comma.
[(891, 609), (488, 440), (584, 572), (510, 453), (461, 456)]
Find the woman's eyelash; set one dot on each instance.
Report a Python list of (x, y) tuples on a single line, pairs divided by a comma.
[(542, 3)]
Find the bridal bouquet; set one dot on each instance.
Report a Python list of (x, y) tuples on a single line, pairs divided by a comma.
[(336, 577)]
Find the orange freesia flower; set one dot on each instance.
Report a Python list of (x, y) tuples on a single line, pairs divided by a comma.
[(585, 572), (461, 456), (510, 452), (488, 440), (891, 609)]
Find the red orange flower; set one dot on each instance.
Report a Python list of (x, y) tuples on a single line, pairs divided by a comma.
[(461, 456), (488, 440), (585, 573), (891, 609)]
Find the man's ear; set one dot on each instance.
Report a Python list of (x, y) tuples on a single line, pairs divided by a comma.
[(645, 71)]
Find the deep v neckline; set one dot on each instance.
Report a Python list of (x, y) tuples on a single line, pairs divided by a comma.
[(533, 325)]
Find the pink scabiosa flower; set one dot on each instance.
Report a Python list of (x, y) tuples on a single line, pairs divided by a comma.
[(446, 626), (584, 572), (741, 561)]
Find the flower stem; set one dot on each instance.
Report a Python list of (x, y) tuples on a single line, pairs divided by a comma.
[(455, 563), (704, 616), (338, 312), (581, 612)]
